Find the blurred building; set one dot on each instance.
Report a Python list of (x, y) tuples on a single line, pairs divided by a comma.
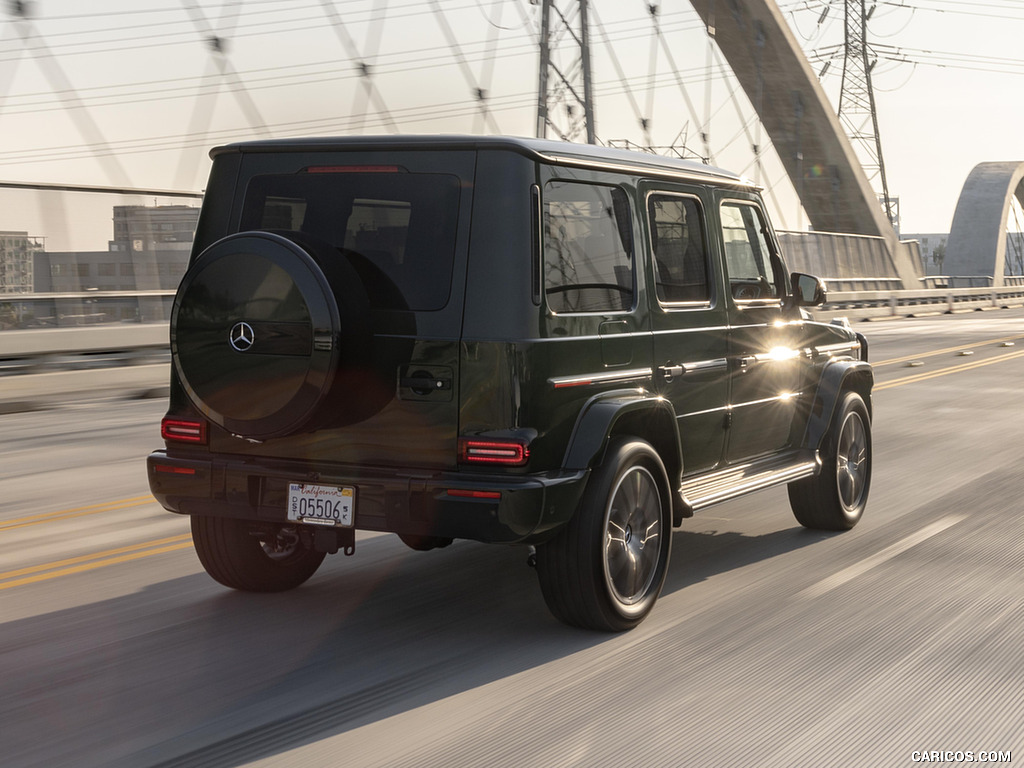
[(933, 251), (149, 252), (17, 261), (165, 228)]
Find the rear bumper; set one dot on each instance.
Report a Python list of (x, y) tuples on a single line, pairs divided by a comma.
[(409, 502)]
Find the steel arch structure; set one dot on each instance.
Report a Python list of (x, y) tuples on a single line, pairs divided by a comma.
[(805, 131), (977, 238)]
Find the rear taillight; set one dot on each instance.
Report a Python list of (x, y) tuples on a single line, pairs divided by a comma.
[(508, 453), (183, 431)]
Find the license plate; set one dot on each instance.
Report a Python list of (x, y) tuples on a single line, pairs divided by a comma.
[(321, 504)]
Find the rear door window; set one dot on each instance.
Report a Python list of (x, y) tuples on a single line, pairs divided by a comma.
[(680, 249), (397, 228)]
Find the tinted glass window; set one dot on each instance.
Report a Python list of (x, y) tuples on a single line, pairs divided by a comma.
[(680, 248), (397, 229), (748, 256), (588, 248)]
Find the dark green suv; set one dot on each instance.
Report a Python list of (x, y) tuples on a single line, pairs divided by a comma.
[(509, 340)]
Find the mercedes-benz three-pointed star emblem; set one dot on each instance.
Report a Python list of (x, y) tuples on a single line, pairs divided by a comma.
[(242, 337)]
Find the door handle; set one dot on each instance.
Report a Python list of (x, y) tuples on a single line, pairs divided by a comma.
[(747, 362), (423, 385), (669, 372)]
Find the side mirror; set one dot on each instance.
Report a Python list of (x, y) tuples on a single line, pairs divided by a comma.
[(808, 290)]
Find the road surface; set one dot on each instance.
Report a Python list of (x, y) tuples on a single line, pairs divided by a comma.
[(770, 646)]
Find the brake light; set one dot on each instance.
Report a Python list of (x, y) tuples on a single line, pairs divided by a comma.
[(463, 493), (168, 470), (183, 431), (353, 169), (499, 452)]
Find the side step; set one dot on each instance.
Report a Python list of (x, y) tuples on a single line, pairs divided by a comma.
[(725, 484)]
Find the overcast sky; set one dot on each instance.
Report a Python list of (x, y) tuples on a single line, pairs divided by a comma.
[(133, 92)]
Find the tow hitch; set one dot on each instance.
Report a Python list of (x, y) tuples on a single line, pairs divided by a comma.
[(329, 540)]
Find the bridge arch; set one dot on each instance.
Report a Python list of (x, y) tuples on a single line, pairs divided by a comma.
[(810, 141), (977, 237)]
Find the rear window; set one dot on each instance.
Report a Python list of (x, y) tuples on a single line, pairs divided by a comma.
[(398, 229), (588, 248)]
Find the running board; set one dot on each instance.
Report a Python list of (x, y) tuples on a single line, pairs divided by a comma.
[(725, 484)]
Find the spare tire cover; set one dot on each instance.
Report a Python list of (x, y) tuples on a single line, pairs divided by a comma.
[(255, 333)]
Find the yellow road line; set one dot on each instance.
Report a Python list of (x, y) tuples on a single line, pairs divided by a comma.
[(92, 509), (946, 371), (82, 563), (37, 573), (946, 351), (94, 556)]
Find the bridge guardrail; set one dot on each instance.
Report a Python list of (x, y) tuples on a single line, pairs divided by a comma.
[(91, 346), (903, 303)]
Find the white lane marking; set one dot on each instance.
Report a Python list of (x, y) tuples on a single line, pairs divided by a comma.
[(848, 574)]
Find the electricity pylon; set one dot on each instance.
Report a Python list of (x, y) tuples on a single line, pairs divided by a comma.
[(565, 99), (857, 110)]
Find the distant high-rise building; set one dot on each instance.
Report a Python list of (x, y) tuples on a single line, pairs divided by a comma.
[(17, 257)]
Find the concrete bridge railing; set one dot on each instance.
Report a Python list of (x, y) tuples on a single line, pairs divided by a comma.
[(134, 344), (900, 303)]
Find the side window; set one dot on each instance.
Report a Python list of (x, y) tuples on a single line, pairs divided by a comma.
[(588, 248), (679, 245), (748, 256)]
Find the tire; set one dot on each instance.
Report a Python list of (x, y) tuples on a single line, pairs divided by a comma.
[(235, 556), (605, 569), (834, 500), (263, 329)]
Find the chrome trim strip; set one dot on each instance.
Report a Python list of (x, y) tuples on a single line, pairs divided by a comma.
[(609, 377), (706, 365), (679, 306), (757, 303), (719, 409), (733, 406), (782, 398), (781, 355), (698, 329), (831, 349)]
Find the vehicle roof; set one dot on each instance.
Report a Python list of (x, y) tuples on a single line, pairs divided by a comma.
[(546, 150)]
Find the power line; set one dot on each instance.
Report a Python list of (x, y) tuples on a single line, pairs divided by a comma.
[(395, 63), (159, 30), (454, 109)]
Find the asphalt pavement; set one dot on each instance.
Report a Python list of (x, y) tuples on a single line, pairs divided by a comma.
[(771, 645)]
